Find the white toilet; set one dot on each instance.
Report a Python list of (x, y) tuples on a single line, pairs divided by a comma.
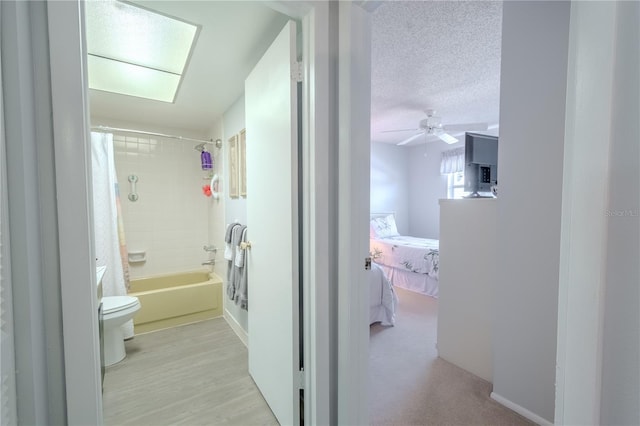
[(116, 310)]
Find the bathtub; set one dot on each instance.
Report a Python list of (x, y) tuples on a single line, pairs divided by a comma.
[(176, 299)]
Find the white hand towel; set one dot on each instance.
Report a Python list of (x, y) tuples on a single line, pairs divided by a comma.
[(228, 251)]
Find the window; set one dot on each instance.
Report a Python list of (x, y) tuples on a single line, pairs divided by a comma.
[(455, 185), (452, 165)]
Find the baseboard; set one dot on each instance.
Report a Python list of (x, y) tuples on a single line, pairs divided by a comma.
[(520, 410), (236, 327)]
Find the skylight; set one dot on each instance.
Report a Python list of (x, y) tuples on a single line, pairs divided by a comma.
[(136, 52)]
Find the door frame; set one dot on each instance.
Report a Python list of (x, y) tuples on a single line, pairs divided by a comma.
[(69, 96), (574, 322), (71, 128), (354, 82), (324, 126)]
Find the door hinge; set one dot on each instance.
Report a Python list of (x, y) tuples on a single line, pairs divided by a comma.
[(301, 379), (297, 71), (367, 263)]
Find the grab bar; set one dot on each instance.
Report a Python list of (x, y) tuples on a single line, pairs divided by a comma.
[(132, 195)]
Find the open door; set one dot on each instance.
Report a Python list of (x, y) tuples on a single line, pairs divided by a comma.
[(272, 227)]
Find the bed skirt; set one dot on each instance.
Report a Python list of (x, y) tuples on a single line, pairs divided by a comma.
[(419, 283)]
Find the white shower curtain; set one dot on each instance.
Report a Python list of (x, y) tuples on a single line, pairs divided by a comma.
[(105, 216)]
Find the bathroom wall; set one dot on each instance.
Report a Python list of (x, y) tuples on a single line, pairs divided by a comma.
[(170, 218), (233, 121)]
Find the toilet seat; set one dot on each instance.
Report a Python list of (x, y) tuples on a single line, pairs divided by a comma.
[(113, 304)]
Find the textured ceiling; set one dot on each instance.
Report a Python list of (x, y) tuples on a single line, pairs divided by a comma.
[(425, 55), (438, 55), (234, 36)]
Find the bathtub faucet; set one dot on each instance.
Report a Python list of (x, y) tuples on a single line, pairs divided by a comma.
[(210, 248), (209, 262)]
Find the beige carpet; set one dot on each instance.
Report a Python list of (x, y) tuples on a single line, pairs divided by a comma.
[(410, 385)]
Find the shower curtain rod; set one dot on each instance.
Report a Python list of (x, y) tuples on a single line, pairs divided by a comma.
[(142, 132)]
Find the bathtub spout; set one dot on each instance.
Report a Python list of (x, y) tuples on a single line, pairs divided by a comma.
[(209, 262)]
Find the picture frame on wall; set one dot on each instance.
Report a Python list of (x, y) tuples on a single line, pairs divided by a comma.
[(243, 162), (234, 188)]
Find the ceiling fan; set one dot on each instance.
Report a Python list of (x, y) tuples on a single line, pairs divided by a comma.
[(432, 125)]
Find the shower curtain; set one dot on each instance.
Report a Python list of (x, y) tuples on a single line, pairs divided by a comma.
[(110, 243)]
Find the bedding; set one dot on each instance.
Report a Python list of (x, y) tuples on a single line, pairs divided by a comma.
[(418, 255), (382, 298), (408, 262)]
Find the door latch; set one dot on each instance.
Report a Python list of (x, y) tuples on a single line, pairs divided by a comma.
[(367, 263)]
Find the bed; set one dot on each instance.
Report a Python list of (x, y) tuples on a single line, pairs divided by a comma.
[(408, 262), (382, 298)]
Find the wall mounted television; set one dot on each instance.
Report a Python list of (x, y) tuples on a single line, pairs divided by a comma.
[(481, 164)]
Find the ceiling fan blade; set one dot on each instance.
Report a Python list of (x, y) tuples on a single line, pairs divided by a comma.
[(411, 139), (465, 126), (447, 137), (399, 130)]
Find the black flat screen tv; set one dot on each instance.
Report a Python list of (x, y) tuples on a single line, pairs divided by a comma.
[(481, 164)]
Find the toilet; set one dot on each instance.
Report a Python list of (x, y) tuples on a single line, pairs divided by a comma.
[(116, 310)]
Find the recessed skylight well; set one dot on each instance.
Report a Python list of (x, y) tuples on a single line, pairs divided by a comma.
[(135, 51)]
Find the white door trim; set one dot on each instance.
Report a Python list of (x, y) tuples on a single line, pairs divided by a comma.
[(316, 215), (354, 71), (69, 93), (318, 251), (583, 243)]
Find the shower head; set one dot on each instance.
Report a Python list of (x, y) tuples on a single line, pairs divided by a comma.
[(202, 146)]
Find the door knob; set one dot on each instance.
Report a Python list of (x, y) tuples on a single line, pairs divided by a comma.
[(245, 245)]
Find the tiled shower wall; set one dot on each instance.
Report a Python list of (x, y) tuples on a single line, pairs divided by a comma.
[(169, 219)]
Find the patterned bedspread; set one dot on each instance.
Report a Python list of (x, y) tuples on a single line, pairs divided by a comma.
[(413, 254)]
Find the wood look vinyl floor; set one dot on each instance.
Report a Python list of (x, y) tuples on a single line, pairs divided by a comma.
[(190, 375)]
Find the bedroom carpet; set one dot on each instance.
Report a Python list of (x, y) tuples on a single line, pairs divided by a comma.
[(410, 385)]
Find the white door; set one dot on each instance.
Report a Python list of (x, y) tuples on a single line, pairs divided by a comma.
[(272, 226)]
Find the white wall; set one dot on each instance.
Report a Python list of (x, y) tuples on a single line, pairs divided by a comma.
[(235, 208), (467, 277), (532, 112), (426, 187), (621, 346), (390, 182)]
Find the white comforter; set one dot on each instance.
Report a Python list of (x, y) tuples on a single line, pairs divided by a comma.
[(413, 254), (382, 298)]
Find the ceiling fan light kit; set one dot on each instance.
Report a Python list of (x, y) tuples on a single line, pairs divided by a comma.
[(448, 138)]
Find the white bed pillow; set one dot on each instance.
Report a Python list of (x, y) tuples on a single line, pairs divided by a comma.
[(383, 227)]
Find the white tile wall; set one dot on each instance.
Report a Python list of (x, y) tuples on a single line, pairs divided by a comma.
[(170, 219)]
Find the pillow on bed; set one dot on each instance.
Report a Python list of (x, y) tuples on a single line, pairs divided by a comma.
[(383, 227)]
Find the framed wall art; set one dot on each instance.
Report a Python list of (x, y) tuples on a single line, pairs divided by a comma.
[(242, 162), (234, 188)]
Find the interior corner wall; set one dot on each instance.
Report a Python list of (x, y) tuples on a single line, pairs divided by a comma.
[(621, 345), (390, 182), (216, 207), (532, 126), (427, 186), (233, 120)]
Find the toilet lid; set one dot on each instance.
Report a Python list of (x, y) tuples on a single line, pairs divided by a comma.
[(117, 303)]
